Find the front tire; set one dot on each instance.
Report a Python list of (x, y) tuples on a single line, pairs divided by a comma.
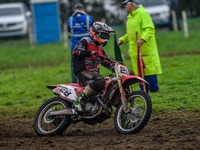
[(140, 106), (51, 125)]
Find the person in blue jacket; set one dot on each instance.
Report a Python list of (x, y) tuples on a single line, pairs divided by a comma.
[(79, 26)]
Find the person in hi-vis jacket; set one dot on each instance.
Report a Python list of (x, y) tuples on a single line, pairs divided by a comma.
[(140, 21), (79, 26)]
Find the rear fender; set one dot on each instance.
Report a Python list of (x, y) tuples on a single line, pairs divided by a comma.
[(54, 88), (68, 92), (51, 86), (129, 80)]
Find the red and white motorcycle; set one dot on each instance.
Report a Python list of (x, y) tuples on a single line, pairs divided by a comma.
[(131, 110)]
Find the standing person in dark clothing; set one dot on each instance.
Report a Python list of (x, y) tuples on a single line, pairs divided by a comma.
[(88, 55), (79, 26), (173, 7)]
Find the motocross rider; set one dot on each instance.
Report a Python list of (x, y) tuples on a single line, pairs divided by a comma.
[(88, 54)]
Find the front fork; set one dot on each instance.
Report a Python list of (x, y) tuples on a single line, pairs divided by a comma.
[(123, 97)]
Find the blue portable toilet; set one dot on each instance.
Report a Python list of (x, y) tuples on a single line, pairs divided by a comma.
[(46, 21)]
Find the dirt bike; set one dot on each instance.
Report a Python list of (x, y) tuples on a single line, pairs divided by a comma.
[(132, 110)]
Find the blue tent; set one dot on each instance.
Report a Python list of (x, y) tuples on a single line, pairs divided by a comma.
[(46, 21)]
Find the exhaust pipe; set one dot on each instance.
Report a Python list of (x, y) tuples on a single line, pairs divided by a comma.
[(68, 112)]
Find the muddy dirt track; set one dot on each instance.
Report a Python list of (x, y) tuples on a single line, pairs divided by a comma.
[(178, 130)]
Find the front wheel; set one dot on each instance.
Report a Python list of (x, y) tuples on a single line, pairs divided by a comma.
[(140, 107), (51, 125)]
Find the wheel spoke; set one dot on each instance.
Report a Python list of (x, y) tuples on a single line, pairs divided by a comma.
[(126, 123), (140, 105), (52, 122)]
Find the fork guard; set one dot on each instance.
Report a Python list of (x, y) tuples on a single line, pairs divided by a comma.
[(129, 80)]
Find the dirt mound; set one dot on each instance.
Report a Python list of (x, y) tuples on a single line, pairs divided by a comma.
[(178, 130)]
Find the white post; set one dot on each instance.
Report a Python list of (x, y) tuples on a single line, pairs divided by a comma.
[(30, 34), (14, 76), (103, 20), (185, 24), (65, 35), (174, 17)]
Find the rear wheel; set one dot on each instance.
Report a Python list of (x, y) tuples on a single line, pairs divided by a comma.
[(140, 107), (51, 125)]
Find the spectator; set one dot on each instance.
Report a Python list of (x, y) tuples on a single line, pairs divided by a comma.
[(78, 25), (173, 7), (140, 21)]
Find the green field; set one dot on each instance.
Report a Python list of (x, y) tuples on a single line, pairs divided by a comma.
[(24, 73)]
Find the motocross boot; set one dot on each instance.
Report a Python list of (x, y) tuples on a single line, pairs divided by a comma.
[(80, 101)]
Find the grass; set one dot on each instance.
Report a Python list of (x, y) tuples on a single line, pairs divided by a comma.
[(176, 43), (179, 84), (28, 92), (25, 73), (54, 54), (23, 56)]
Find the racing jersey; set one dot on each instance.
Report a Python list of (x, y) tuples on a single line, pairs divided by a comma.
[(84, 60)]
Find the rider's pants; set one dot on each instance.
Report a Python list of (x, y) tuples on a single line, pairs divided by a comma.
[(93, 79)]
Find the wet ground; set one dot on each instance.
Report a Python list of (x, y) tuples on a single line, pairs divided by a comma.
[(177, 130)]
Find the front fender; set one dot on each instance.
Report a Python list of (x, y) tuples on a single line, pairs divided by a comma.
[(51, 86), (129, 80)]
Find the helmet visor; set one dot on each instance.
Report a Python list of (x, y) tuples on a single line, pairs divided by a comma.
[(104, 35)]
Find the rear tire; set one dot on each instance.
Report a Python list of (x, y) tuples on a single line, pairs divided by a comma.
[(140, 106), (44, 125)]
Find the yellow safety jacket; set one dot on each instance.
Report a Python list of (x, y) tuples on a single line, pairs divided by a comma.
[(140, 21)]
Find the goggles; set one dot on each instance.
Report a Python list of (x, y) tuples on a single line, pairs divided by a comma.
[(104, 35)]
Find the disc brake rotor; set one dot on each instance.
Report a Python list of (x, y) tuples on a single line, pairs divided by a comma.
[(57, 120)]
